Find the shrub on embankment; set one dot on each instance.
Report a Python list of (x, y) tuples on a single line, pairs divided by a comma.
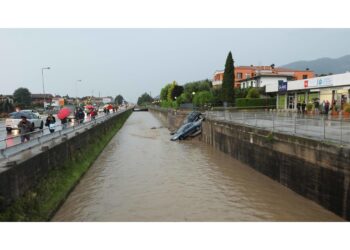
[(43, 200)]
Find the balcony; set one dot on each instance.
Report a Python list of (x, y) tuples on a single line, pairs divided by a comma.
[(219, 82)]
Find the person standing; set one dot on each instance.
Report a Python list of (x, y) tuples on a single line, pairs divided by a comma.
[(25, 128), (81, 116), (64, 123), (50, 122), (326, 107)]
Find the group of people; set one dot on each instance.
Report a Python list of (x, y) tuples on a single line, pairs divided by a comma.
[(322, 108), (25, 126)]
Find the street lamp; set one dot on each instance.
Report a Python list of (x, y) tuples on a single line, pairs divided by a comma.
[(42, 78), (76, 91)]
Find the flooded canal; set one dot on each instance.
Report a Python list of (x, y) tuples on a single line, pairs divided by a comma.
[(143, 176)]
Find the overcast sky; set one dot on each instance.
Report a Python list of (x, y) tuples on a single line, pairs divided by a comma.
[(133, 61)]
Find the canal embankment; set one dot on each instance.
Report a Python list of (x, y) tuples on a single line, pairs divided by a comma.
[(33, 189), (314, 169)]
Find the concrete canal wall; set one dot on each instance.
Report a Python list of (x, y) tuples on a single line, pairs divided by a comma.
[(313, 169), (24, 176), (172, 118)]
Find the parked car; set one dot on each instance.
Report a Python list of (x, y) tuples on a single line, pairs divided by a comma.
[(15, 117), (31, 110)]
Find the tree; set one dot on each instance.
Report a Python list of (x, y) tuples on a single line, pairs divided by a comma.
[(228, 80), (6, 107), (164, 92), (176, 91), (253, 93), (202, 98), (119, 99), (144, 99), (170, 91), (22, 97)]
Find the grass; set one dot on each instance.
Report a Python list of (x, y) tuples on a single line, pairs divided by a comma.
[(41, 202)]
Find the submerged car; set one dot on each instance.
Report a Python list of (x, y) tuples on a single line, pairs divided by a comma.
[(15, 117), (188, 129), (192, 117)]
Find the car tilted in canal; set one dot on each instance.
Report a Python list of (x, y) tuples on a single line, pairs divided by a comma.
[(192, 126), (11, 123)]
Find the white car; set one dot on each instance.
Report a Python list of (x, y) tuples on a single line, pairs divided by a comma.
[(15, 117), (31, 110)]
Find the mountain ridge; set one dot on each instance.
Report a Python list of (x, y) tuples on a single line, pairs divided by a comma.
[(323, 65)]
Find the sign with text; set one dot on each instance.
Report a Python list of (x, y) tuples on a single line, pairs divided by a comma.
[(282, 86), (325, 81)]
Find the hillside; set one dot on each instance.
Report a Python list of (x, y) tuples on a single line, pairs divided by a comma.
[(323, 65)]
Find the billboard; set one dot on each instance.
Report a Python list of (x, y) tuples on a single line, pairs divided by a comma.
[(282, 86)]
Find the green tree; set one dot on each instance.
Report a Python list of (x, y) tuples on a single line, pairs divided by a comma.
[(202, 98), (176, 92), (164, 92), (119, 99), (228, 81), (22, 97), (144, 99), (253, 93), (170, 91)]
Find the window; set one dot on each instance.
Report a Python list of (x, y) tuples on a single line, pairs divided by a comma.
[(239, 75), (304, 76)]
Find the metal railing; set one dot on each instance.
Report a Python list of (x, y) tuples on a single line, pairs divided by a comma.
[(321, 127), (12, 149)]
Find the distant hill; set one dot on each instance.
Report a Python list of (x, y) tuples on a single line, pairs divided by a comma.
[(323, 65)]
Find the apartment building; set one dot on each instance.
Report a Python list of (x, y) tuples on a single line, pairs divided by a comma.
[(259, 76)]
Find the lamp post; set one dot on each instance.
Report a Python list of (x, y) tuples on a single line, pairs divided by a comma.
[(76, 91), (42, 78)]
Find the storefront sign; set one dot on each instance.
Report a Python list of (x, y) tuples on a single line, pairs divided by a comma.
[(325, 81), (282, 86), (310, 83)]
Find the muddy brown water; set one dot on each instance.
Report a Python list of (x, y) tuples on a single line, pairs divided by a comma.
[(143, 176)]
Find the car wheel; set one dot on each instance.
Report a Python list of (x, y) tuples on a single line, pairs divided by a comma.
[(8, 129), (41, 125)]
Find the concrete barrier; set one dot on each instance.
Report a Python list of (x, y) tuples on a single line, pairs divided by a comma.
[(21, 176)]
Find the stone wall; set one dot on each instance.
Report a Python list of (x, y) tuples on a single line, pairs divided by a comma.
[(315, 170)]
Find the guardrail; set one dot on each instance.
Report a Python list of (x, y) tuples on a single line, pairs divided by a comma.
[(321, 127), (15, 149)]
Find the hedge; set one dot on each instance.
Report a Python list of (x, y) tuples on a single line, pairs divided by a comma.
[(256, 102)]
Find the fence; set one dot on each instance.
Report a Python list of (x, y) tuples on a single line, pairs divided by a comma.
[(324, 128), (42, 138)]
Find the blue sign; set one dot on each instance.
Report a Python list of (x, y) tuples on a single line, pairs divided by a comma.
[(282, 86)]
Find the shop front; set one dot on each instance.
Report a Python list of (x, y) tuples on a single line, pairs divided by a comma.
[(334, 88)]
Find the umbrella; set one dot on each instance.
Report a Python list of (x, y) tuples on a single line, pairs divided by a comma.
[(89, 107), (63, 113)]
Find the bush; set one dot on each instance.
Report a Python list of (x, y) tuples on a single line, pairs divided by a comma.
[(309, 106), (253, 93), (346, 108), (256, 102)]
